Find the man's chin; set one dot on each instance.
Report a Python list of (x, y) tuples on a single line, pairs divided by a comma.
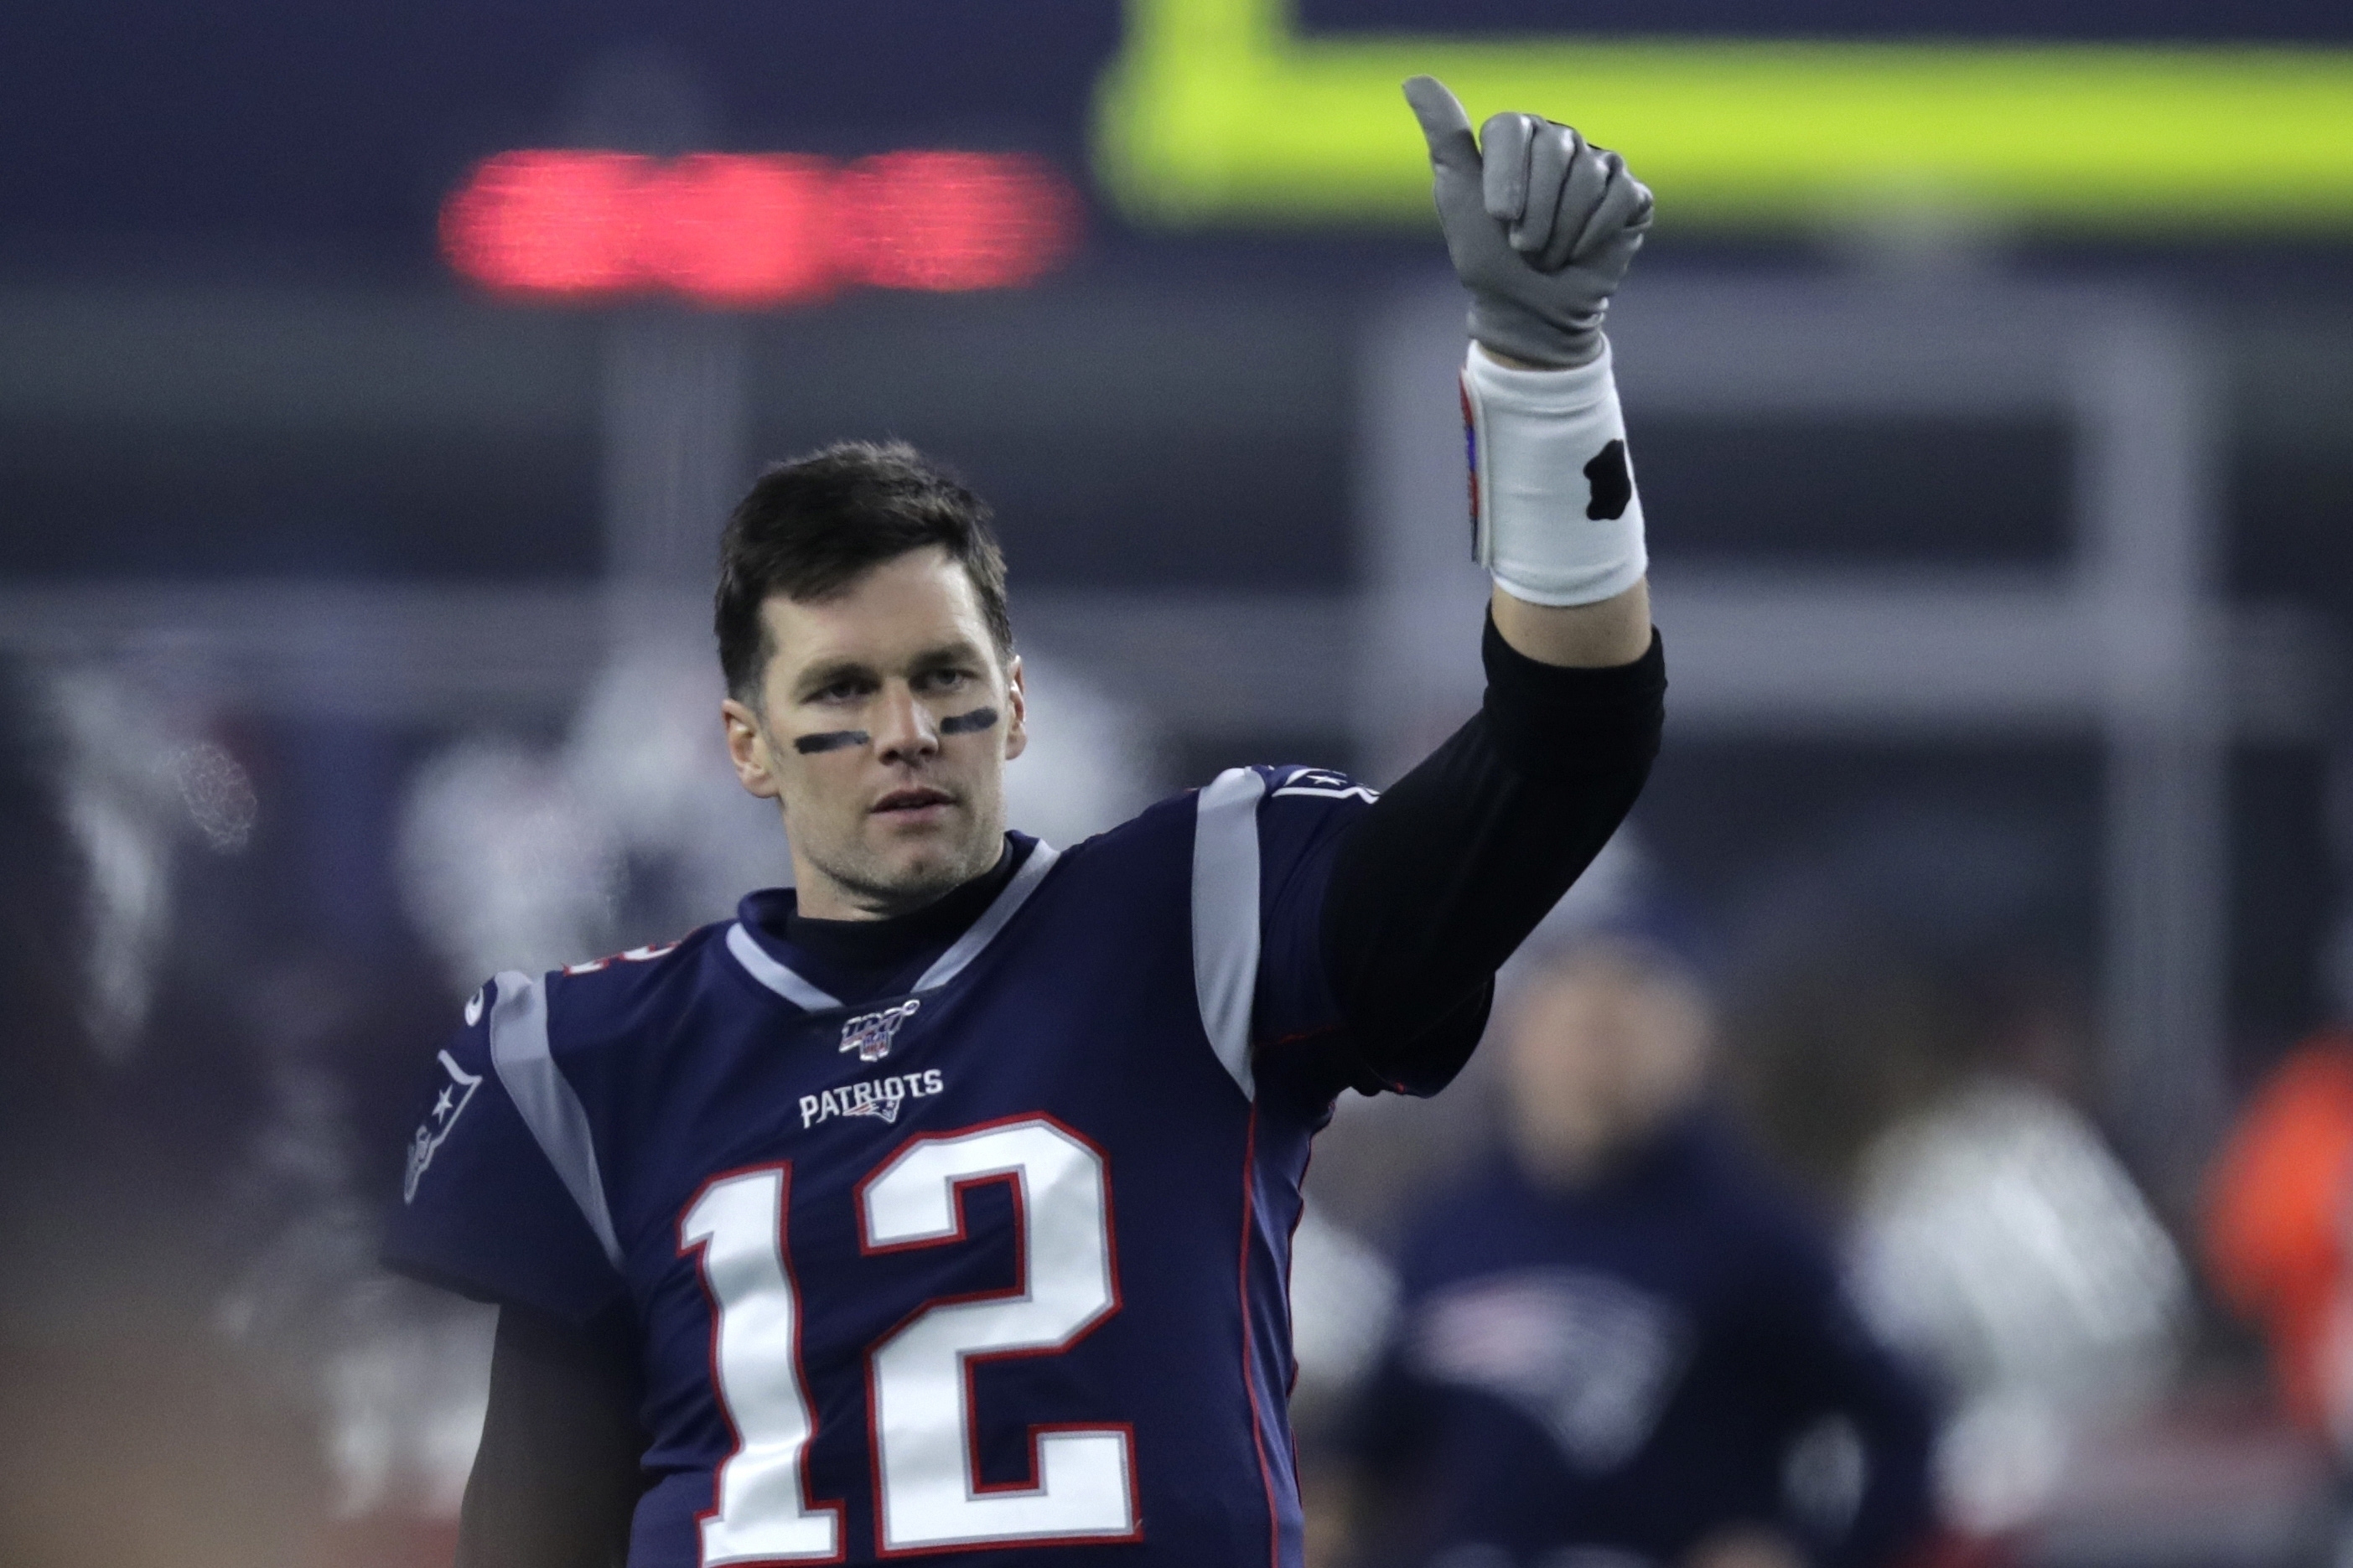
[(911, 869), (928, 878), (918, 843)]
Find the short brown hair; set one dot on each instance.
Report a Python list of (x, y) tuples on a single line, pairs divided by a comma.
[(811, 527)]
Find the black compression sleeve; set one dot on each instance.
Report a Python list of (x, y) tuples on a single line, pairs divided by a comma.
[(1436, 885), (557, 1477)]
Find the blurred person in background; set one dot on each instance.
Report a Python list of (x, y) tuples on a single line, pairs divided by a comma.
[(1993, 1235), (1621, 1342)]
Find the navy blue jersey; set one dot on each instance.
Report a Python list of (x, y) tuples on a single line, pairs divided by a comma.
[(990, 1261), (1626, 1365)]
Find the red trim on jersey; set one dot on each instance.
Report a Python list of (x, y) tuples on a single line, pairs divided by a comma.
[(1010, 1175), (645, 954), (1291, 1257), (1250, 1376), (836, 1506)]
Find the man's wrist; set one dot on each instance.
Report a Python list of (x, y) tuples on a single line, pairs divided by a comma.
[(1554, 514), (1617, 631), (1513, 361)]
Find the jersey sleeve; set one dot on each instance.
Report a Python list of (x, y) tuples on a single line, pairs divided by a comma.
[(1460, 861), (1299, 823), (1264, 842), (483, 1209)]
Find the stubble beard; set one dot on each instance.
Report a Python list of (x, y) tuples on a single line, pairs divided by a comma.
[(876, 881)]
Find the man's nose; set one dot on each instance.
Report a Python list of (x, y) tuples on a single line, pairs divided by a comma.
[(903, 728)]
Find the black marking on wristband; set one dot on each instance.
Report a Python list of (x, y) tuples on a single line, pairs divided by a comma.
[(831, 741), (966, 723), (1612, 483)]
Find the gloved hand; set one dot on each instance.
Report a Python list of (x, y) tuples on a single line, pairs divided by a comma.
[(1541, 229)]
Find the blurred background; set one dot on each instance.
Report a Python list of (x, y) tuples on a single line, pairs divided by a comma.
[(372, 382)]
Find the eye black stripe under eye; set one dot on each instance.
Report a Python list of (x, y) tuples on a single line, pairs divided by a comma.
[(831, 741), (966, 723)]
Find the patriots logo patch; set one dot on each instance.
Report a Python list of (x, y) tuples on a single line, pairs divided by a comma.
[(871, 1034), (1330, 786), (448, 1106), (880, 1099)]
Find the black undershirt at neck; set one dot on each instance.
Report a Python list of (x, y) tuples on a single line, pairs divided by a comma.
[(862, 957)]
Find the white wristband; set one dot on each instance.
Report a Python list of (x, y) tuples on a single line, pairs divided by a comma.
[(1553, 515)]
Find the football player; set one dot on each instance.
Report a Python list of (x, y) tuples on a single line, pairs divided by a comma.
[(942, 1204)]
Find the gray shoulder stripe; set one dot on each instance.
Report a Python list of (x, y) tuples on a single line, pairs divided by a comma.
[(773, 975), (983, 931), (548, 1104), (1225, 916)]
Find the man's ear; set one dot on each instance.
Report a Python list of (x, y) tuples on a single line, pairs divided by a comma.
[(747, 747), (1016, 709)]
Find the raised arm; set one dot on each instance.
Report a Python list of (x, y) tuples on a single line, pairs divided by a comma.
[(1541, 227), (1437, 884)]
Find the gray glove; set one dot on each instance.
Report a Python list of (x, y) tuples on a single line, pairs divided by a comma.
[(1541, 230)]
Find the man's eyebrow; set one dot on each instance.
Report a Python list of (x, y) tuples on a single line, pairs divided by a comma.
[(961, 651), (828, 672)]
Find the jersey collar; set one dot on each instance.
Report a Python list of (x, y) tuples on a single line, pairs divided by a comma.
[(772, 973)]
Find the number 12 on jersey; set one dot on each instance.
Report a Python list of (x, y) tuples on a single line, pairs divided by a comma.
[(1082, 1479)]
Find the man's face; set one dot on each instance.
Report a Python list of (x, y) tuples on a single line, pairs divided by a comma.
[(1598, 1053), (884, 723)]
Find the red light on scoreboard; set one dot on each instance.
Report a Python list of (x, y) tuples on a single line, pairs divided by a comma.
[(736, 230), (955, 220), (744, 230), (548, 222)]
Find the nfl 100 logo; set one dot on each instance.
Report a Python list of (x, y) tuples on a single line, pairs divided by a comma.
[(871, 1034)]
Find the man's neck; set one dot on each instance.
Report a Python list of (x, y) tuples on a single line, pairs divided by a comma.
[(821, 896), (857, 958)]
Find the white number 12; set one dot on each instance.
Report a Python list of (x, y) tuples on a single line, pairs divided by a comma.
[(1081, 1485)]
